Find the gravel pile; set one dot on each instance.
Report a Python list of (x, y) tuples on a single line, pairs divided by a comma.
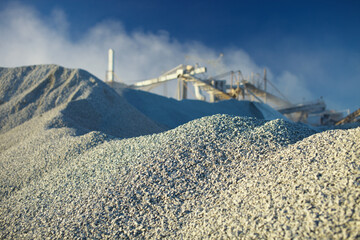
[(308, 190), (30, 150), (84, 102), (216, 177)]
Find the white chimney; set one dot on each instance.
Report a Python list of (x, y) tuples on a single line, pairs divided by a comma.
[(110, 72)]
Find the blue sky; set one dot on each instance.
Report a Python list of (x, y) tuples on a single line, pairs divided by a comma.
[(311, 48)]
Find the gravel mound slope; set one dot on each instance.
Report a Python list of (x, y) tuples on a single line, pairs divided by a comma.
[(50, 114), (308, 190), (215, 177), (85, 103), (66, 174), (30, 150)]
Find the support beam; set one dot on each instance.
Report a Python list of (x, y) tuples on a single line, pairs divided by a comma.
[(184, 89)]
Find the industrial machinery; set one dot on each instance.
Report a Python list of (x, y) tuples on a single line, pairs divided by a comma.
[(236, 87), (240, 89), (353, 117)]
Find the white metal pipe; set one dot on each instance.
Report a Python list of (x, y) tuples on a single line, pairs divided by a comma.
[(110, 72)]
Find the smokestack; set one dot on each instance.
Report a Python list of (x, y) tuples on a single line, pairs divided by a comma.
[(110, 72)]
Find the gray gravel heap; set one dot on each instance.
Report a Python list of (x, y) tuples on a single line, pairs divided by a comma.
[(46, 112), (214, 177), (67, 173), (308, 190), (84, 102)]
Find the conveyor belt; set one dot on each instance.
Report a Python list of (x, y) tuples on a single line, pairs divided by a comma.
[(349, 118)]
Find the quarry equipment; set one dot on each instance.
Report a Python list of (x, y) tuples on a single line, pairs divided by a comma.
[(350, 118), (216, 88), (181, 73)]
